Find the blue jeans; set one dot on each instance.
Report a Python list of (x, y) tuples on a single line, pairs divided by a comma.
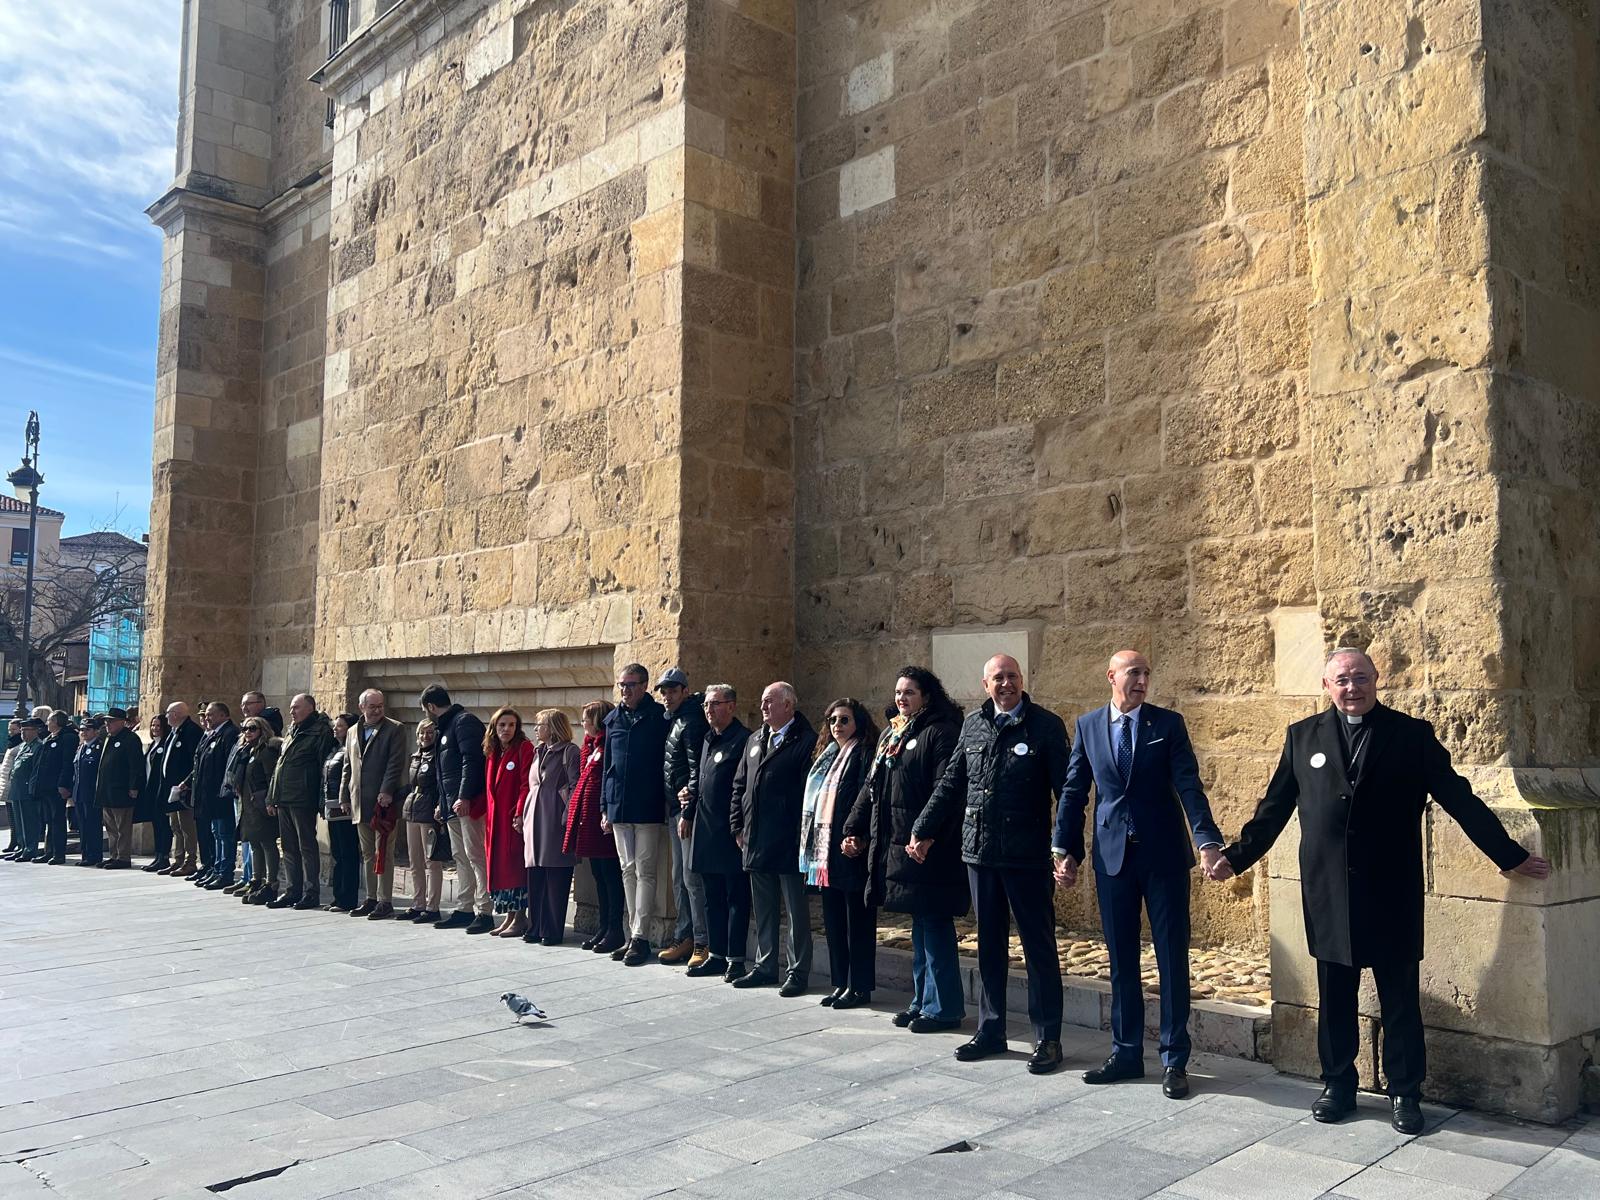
[(246, 868), (935, 969), (225, 834)]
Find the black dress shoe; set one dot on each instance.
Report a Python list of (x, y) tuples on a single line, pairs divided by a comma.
[(1174, 1083), (284, 901), (1407, 1116), (852, 1000), (735, 971), (364, 909), (159, 864), (924, 1024), (1046, 1057), (456, 920), (307, 902), (1334, 1104), (715, 965), (217, 885), (638, 953), (481, 924), (589, 943), (753, 980), (980, 1047), (426, 917), (903, 1019), (1114, 1070), (792, 987), (609, 945), (836, 994)]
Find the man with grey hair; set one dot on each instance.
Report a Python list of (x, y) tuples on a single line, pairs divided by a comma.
[(374, 769), (1360, 774), (764, 814), (294, 796)]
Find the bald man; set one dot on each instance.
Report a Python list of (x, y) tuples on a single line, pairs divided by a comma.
[(1007, 771), (1150, 813), (1360, 775)]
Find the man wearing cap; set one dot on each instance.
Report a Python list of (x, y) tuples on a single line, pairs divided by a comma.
[(24, 768), (117, 787), (686, 733), (85, 775)]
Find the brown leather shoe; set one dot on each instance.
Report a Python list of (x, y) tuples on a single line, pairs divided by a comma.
[(701, 953), (677, 952)]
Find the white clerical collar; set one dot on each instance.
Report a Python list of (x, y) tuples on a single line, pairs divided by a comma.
[(1353, 718)]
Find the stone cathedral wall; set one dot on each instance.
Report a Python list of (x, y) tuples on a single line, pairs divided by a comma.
[(1051, 362), (806, 338)]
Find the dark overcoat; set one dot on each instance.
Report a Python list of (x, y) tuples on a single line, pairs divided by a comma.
[(768, 794), (711, 845), (1361, 838)]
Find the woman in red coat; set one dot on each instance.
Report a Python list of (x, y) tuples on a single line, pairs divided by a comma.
[(508, 758), (586, 838)]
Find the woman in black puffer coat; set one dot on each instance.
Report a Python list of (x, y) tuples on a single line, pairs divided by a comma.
[(911, 758)]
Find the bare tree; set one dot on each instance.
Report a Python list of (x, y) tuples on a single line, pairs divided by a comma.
[(92, 578)]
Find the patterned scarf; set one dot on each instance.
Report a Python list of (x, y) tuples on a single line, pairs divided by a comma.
[(816, 821)]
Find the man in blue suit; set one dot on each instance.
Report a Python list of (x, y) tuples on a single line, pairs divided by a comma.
[(1149, 804)]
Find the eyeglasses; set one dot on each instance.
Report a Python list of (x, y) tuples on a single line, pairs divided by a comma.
[(714, 703)]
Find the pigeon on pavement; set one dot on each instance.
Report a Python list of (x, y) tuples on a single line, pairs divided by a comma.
[(521, 1006)]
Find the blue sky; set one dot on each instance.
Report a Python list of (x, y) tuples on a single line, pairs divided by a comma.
[(88, 103)]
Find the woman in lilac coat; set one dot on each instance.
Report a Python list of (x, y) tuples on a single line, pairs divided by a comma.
[(543, 823)]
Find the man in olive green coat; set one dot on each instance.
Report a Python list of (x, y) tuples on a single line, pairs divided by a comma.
[(294, 797), (117, 787)]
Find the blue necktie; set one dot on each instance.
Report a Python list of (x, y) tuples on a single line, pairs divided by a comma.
[(1125, 750), (1001, 720)]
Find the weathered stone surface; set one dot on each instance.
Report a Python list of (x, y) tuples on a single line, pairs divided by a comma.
[(727, 333)]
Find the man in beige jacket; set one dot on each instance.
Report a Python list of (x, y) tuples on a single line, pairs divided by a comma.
[(374, 768)]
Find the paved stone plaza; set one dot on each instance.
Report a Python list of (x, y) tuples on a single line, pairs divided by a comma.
[(161, 1044)]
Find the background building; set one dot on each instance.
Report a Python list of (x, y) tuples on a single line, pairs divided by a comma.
[(804, 339)]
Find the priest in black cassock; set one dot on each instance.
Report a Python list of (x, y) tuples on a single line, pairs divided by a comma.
[(1360, 774)]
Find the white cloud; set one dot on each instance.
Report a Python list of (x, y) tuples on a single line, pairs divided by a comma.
[(88, 94)]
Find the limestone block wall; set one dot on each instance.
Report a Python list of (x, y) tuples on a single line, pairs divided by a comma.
[(289, 453), (734, 233), (503, 395), (208, 375), (1051, 361)]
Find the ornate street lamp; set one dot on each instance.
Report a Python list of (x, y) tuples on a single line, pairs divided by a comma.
[(26, 480)]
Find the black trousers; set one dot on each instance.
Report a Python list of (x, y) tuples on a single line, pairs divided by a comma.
[(548, 889), (206, 839), (852, 928), (608, 896), (1338, 1027), (161, 835), (345, 878), (727, 914), (998, 896)]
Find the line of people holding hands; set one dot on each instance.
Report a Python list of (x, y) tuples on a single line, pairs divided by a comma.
[(933, 815)]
